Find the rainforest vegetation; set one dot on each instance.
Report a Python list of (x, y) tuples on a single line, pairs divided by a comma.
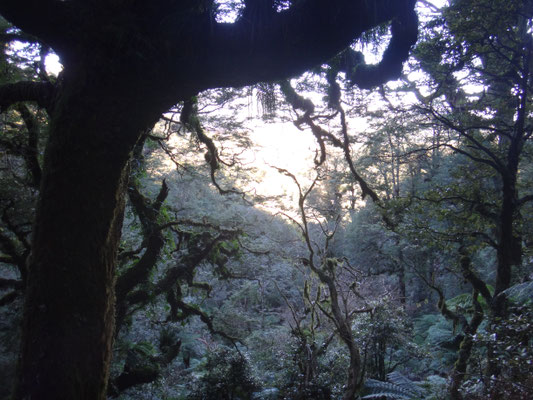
[(269, 199)]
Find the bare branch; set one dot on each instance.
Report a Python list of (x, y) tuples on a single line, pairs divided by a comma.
[(494, 161), (472, 277), (189, 118)]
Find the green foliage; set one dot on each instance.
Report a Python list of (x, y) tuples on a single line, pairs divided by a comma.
[(436, 198), (307, 370), (463, 304), (521, 294), (436, 387), (398, 387), (227, 375), (384, 335), (141, 349), (511, 347), (221, 253), (436, 334)]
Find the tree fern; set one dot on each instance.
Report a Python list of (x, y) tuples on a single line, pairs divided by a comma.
[(399, 387), (521, 293)]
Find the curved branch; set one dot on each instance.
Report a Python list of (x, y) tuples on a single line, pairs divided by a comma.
[(404, 30), (206, 319), (525, 199), (189, 118), (40, 92), (270, 46), (476, 282), (8, 298), (154, 241), (493, 160)]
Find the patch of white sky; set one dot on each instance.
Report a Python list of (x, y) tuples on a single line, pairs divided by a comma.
[(228, 10), (273, 144), (283, 146), (53, 64)]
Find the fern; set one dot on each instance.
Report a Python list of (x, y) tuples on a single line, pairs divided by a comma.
[(145, 349), (378, 389), (460, 303), (521, 293), (399, 387), (401, 380)]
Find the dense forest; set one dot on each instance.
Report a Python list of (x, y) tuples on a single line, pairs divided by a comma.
[(269, 199)]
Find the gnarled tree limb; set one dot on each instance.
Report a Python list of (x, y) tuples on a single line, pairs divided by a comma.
[(40, 92)]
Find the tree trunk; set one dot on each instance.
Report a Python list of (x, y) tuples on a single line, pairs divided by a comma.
[(401, 274), (509, 253), (461, 365), (509, 246), (69, 312), (353, 386)]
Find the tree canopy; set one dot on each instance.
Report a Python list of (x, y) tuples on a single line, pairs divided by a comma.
[(152, 245), (125, 63)]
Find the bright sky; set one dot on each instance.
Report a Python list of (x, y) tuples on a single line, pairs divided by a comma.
[(281, 145), (52, 64)]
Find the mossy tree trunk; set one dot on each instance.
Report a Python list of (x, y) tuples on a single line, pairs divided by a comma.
[(69, 312)]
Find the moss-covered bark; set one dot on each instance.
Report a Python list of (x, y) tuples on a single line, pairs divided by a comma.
[(69, 312)]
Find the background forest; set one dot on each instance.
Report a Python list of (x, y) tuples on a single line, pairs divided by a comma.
[(308, 239)]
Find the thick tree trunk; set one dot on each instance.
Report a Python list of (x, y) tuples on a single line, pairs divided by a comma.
[(69, 311), (509, 246), (508, 255)]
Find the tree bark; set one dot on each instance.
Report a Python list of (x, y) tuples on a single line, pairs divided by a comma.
[(69, 311), (461, 365), (355, 380)]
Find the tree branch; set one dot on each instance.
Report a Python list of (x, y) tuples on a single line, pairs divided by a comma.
[(11, 283), (404, 35), (525, 199), (272, 46), (40, 92), (471, 276), (8, 298)]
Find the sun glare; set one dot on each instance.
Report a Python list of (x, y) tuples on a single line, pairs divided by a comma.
[(281, 145), (52, 64)]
